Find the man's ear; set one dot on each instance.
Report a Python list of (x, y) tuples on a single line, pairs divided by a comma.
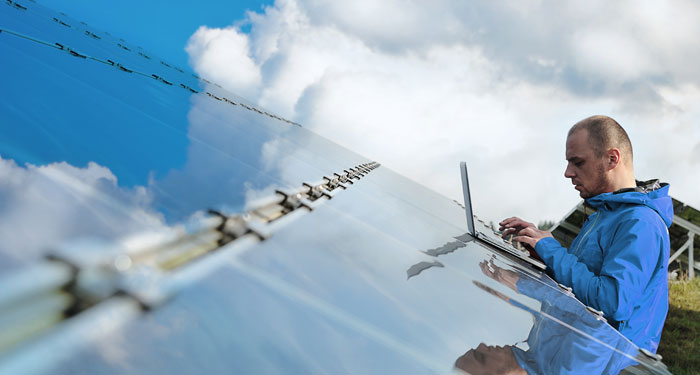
[(613, 158)]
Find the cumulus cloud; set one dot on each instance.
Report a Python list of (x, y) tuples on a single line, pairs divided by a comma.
[(41, 206), (419, 86), (220, 51)]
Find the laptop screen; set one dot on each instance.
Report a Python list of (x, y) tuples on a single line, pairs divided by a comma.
[(493, 238)]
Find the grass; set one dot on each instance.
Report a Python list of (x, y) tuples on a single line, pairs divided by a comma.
[(680, 340)]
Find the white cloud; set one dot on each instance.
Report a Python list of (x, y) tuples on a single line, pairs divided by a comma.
[(42, 206), (420, 86), (611, 56), (223, 55)]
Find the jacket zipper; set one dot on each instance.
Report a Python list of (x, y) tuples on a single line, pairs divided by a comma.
[(578, 246)]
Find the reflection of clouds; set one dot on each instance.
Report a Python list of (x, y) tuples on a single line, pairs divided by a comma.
[(271, 153), (274, 161), (378, 334), (288, 162), (42, 206), (234, 156), (233, 322), (223, 159), (237, 156), (359, 269)]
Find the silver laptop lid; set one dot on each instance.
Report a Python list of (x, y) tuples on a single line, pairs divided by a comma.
[(467, 199)]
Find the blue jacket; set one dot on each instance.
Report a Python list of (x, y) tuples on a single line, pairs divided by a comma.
[(554, 348), (618, 262)]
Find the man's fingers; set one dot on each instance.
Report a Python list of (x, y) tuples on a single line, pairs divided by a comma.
[(535, 233), (526, 240), (508, 220), (522, 223), (486, 270), (514, 222), (513, 231), (505, 220), (507, 232)]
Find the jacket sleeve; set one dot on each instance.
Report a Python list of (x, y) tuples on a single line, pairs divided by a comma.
[(627, 268)]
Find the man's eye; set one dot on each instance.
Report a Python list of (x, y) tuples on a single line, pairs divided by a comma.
[(578, 163)]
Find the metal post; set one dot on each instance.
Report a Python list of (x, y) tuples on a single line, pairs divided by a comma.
[(691, 261)]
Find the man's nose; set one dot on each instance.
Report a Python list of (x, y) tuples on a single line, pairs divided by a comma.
[(569, 172)]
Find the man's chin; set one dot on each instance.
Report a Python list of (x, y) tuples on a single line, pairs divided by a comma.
[(583, 194)]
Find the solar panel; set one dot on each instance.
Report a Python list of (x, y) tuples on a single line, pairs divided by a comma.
[(153, 222)]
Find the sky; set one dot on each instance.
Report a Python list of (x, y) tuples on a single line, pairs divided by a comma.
[(160, 26), (420, 86)]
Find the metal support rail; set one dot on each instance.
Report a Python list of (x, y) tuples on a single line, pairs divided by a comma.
[(81, 284), (693, 230)]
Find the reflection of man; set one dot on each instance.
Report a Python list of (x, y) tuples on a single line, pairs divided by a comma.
[(487, 359), (565, 338), (618, 261)]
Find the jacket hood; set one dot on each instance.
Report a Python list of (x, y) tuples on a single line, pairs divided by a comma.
[(648, 193)]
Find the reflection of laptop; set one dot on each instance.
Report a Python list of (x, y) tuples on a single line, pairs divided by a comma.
[(491, 239)]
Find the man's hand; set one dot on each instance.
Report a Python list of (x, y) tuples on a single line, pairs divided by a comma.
[(505, 277), (531, 235), (524, 232), (513, 225)]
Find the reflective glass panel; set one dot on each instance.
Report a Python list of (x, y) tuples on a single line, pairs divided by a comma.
[(102, 141)]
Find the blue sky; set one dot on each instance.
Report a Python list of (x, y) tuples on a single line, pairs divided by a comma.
[(160, 26)]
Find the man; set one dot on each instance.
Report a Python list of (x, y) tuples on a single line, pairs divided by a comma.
[(618, 262)]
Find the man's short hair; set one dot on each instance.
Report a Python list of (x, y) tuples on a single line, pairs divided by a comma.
[(604, 133)]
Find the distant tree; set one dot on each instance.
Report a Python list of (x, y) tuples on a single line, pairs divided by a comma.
[(545, 225)]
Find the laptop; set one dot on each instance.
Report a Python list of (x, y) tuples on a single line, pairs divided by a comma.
[(491, 238)]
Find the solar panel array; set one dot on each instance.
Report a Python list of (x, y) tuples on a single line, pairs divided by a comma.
[(153, 222)]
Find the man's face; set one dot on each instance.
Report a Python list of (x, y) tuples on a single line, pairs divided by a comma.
[(485, 360), (586, 170)]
